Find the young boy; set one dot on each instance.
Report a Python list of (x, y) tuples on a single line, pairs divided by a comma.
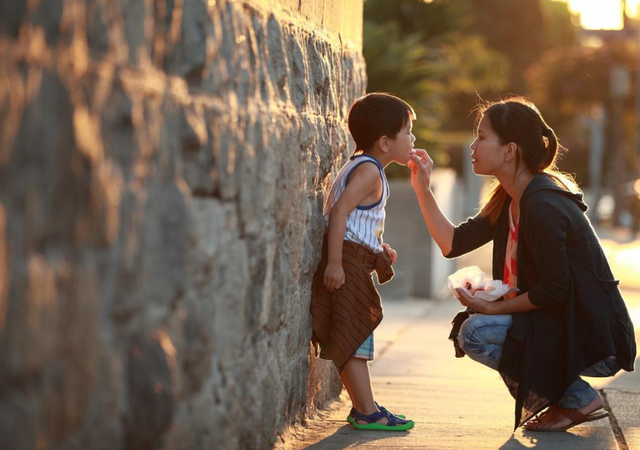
[(345, 305)]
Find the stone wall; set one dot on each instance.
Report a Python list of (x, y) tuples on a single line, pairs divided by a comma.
[(162, 166)]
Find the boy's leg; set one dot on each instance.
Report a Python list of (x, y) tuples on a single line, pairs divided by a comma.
[(356, 375), (345, 382), (356, 372), (357, 379)]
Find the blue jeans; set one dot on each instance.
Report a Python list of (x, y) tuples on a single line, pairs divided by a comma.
[(482, 337)]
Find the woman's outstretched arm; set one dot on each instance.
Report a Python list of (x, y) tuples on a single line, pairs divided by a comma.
[(439, 226)]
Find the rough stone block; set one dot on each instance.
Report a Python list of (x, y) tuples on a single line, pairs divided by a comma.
[(150, 389), (230, 276), (48, 15), (165, 233), (11, 17), (133, 13)]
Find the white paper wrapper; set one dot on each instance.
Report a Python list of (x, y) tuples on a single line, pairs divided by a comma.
[(473, 281)]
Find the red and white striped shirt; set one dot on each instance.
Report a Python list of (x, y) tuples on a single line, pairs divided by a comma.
[(511, 257)]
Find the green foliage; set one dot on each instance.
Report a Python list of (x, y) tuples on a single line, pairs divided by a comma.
[(559, 25), (428, 19), (403, 66), (472, 66), (514, 28)]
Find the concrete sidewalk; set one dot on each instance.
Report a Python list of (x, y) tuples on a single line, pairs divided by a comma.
[(456, 403)]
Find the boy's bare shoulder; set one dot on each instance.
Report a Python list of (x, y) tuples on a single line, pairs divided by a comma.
[(366, 173)]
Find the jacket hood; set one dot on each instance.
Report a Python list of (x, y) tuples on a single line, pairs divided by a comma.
[(544, 182)]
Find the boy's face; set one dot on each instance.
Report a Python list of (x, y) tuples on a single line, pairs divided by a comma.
[(401, 146)]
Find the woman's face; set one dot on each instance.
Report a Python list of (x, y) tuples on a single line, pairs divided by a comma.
[(487, 153)]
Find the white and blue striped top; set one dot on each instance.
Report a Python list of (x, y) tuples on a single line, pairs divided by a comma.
[(365, 224)]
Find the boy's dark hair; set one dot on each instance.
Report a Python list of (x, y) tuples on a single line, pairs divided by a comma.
[(376, 115)]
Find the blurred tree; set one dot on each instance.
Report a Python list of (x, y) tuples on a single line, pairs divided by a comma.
[(404, 66), (442, 55), (429, 19), (475, 71), (560, 25), (417, 51), (515, 28), (567, 82)]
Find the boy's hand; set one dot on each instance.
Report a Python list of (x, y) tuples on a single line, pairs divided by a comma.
[(392, 253), (333, 277)]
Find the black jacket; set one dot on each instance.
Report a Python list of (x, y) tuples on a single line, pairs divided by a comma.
[(582, 317)]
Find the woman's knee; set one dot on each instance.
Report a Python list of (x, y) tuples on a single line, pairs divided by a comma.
[(480, 330), (469, 338)]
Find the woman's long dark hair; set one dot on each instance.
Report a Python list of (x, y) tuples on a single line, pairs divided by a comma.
[(516, 119)]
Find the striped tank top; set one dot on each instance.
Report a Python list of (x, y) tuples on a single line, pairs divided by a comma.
[(365, 224)]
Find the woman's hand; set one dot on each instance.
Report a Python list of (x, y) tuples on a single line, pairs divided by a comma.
[(392, 253), (333, 277), (477, 304), (421, 166)]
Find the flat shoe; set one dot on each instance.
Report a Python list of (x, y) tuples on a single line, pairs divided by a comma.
[(573, 414)]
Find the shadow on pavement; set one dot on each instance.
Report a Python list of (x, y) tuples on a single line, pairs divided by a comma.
[(345, 437), (545, 441)]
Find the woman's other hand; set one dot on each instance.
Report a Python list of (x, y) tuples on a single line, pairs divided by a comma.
[(477, 304), (421, 166)]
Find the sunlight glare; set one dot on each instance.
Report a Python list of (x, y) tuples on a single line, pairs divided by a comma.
[(601, 14), (632, 8)]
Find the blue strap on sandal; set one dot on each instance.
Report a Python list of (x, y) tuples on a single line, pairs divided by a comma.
[(394, 423), (353, 412), (382, 408)]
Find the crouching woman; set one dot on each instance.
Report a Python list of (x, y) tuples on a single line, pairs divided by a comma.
[(568, 318)]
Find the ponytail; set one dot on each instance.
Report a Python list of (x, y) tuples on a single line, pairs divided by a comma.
[(562, 179), (551, 147)]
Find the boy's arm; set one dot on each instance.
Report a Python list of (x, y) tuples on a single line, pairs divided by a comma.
[(364, 182)]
